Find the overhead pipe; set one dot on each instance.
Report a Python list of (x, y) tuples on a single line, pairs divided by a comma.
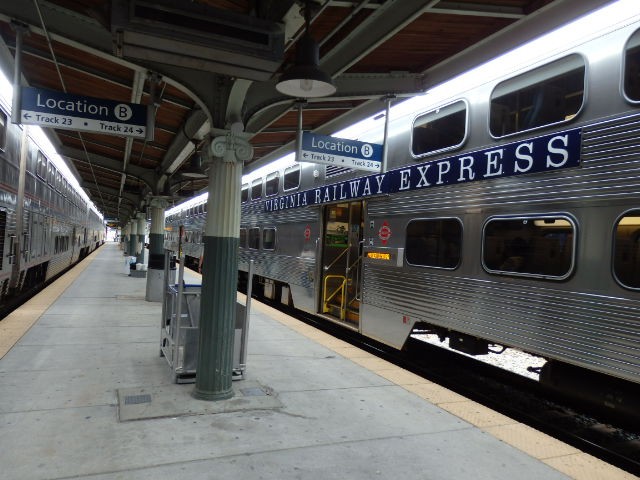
[(385, 144), (16, 108)]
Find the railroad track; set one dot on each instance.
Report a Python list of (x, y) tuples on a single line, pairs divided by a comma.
[(612, 440)]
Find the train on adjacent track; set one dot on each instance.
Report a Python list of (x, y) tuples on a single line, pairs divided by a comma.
[(508, 214), (46, 225)]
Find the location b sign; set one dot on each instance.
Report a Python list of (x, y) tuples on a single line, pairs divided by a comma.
[(50, 108), (341, 152)]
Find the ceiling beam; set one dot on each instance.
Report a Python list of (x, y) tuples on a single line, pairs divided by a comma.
[(86, 30), (92, 72), (376, 29), (477, 10), (193, 127), (148, 177), (123, 205), (543, 20), (113, 193)]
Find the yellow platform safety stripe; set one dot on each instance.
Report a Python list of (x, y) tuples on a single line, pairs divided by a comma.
[(564, 458), (17, 323)]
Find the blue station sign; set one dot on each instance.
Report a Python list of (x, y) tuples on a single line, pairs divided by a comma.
[(542, 154), (50, 108), (341, 152)]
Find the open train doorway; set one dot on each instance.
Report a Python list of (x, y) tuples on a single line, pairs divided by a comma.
[(342, 262)]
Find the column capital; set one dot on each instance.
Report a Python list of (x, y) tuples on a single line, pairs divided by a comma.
[(231, 148), (158, 202)]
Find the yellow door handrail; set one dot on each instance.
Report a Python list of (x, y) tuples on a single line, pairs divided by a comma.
[(340, 289)]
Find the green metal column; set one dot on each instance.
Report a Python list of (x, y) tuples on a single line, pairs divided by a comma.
[(155, 269), (142, 230), (220, 269), (133, 237), (125, 239)]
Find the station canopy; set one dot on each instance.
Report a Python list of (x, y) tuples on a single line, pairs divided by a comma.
[(197, 61)]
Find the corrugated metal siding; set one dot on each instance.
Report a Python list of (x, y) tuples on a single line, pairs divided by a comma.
[(334, 171), (578, 328), (286, 264), (254, 214), (3, 226), (610, 170), (599, 330), (285, 268), (59, 262)]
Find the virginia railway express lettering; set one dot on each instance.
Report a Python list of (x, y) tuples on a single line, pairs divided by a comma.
[(540, 154)]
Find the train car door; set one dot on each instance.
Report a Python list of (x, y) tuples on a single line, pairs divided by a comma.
[(75, 243), (342, 262), (37, 231)]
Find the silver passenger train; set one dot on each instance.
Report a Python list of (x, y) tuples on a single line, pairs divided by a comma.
[(509, 214), (45, 225)]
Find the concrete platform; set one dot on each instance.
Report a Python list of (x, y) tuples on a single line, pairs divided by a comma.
[(85, 394)]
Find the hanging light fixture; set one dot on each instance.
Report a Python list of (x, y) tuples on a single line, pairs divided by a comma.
[(305, 79)]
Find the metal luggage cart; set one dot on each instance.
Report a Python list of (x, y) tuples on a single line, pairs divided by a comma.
[(179, 328)]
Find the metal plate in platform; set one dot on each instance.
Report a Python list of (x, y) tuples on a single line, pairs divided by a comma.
[(175, 400)]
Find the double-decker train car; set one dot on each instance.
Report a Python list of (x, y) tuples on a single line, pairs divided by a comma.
[(509, 214), (45, 224)]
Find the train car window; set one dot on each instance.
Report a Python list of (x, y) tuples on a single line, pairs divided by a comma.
[(244, 193), (46, 235), (272, 185), (536, 246), (269, 238), (41, 165), (442, 129), (32, 159), (254, 238), (626, 250), (61, 244), (632, 68), (547, 95), (51, 175), (3, 131), (291, 178), (434, 242), (243, 238), (256, 189)]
